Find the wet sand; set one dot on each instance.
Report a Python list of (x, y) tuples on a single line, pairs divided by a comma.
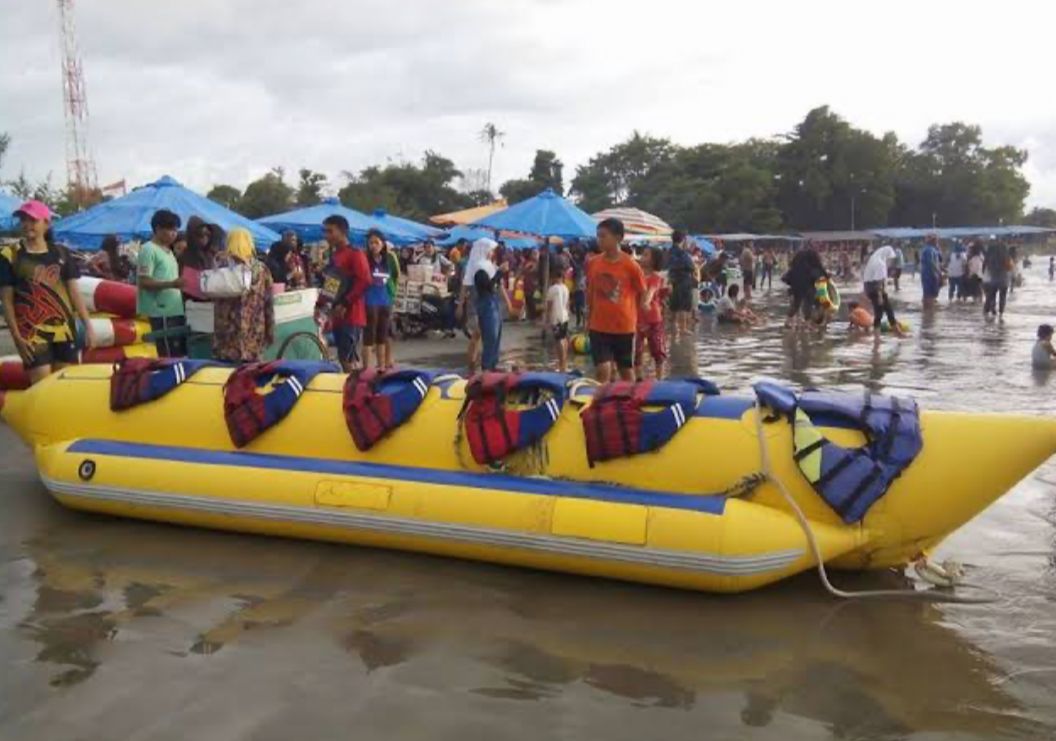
[(116, 629)]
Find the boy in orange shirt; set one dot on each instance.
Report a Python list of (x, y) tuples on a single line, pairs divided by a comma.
[(615, 289)]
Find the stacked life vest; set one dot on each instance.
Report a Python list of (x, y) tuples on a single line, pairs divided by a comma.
[(376, 403), (139, 380), (248, 412), (493, 430), (616, 423), (850, 480)]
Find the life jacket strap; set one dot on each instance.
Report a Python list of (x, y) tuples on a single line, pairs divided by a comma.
[(892, 428), (813, 447), (833, 472), (859, 491)]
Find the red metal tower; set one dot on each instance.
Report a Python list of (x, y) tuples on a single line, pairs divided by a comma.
[(80, 168)]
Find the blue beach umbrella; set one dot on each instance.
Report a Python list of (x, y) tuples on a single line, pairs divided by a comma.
[(399, 223), (8, 204), (706, 245), (472, 234), (546, 215), (307, 222), (129, 216)]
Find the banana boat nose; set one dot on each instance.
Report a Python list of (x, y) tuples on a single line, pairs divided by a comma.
[(968, 462)]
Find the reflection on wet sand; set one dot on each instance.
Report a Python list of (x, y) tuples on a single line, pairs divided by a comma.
[(857, 669)]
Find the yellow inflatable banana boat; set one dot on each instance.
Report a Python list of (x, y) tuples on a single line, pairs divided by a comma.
[(660, 483)]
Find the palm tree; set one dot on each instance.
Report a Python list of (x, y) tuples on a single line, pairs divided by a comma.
[(490, 134)]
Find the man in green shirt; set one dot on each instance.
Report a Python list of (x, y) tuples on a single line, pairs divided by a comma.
[(159, 283)]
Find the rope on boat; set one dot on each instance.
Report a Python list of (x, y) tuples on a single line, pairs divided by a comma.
[(941, 574), (745, 486)]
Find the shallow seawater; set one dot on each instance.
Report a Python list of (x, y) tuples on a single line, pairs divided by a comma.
[(118, 629)]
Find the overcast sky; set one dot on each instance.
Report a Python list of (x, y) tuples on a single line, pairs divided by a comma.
[(216, 91)]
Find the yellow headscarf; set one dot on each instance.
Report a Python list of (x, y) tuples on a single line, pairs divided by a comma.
[(240, 245)]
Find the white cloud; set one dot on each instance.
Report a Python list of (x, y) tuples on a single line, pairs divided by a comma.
[(220, 90)]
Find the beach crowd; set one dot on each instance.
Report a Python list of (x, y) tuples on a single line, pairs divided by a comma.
[(614, 300)]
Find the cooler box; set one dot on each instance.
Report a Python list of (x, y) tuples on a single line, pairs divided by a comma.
[(295, 312)]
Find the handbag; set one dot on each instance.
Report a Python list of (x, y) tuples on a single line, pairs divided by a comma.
[(230, 282)]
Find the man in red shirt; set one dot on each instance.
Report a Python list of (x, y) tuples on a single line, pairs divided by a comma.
[(348, 315)]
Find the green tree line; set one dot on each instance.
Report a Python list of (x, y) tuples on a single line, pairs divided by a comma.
[(824, 174), (414, 190)]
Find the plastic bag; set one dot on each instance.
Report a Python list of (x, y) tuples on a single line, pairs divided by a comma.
[(229, 282)]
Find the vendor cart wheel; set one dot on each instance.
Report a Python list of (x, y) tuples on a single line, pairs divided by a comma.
[(324, 351)]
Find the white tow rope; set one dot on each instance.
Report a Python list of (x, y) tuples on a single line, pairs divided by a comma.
[(945, 576)]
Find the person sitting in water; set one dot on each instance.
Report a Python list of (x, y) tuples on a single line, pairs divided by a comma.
[(859, 317), (707, 300), (730, 309), (1043, 353)]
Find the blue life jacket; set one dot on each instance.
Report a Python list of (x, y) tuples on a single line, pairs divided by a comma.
[(617, 425), (495, 431), (376, 403), (249, 413), (850, 480), (139, 380)]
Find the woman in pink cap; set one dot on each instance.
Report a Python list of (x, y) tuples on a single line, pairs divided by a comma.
[(39, 294)]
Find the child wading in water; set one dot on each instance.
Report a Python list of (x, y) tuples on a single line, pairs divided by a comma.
[(859, 317), (651, 317), (557, 316)]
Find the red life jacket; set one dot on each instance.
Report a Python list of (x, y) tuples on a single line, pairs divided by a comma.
[(493, 431), (249, 413), (613, 420), (376, 403), (138, 380), (617, 425)]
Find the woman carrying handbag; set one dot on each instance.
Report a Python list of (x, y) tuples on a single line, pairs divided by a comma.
[(244, 325)]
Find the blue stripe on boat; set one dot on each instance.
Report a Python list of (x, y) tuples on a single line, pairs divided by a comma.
[(503, 482), (724, 407)]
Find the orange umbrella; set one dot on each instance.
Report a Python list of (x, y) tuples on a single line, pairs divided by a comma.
[(469, 215)]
